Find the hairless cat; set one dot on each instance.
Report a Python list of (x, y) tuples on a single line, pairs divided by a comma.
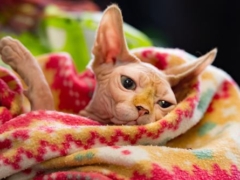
[(128, 91)]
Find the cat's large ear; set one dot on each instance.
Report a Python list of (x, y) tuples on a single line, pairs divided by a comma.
[(191, 70), (110, 44)]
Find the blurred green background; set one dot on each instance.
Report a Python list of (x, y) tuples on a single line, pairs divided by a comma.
[(68, 26)]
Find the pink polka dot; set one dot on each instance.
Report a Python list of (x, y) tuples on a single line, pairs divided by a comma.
[(126, 152)]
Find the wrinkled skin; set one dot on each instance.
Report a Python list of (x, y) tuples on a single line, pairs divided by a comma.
[(112, 102)]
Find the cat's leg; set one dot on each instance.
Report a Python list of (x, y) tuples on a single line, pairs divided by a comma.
[(22, 61)]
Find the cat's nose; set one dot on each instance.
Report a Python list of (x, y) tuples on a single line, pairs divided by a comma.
[(142, 111)]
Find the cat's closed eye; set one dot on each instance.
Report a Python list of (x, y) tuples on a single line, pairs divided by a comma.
[(128, 83)]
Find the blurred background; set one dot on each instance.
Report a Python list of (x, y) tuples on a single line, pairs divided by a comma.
[(195, 26)]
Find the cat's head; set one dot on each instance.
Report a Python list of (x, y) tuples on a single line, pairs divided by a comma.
[(129, 91)]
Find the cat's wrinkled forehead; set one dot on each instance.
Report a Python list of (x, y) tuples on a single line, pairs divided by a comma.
[(145, 72)]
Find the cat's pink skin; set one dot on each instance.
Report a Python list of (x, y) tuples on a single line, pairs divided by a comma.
[(114, 104)]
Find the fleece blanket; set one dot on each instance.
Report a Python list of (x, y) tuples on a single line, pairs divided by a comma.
[(199, 139)]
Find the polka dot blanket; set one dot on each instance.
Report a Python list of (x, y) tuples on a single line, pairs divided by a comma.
[(199, 139)]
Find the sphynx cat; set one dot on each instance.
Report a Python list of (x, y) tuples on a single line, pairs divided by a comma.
[(131, 92), (128, 91)]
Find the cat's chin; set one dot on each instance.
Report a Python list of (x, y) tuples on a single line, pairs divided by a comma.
[(116, 121), (138, 121), (132, 123)]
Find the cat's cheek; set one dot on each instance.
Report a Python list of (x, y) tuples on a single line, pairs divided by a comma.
[(159, 114), (146, 119), (126, 112)]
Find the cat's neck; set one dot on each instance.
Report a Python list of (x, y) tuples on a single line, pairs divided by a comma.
[(98, 108)]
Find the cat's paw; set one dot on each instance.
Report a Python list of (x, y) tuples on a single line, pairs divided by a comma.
[(12, 51), (16, 55)]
